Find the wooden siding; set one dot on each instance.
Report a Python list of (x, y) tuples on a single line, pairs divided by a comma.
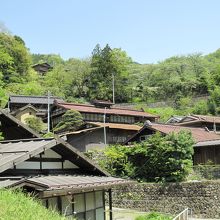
[(202, 155)]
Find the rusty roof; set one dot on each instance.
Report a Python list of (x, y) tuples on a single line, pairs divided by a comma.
[(199, 134), (110, 111), (117, 126), (15, 152)]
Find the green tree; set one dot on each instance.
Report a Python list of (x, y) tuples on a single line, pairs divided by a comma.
[(106, 64), (71, 120), (78, 72), (16, 58), (35, 123), (160, 158)]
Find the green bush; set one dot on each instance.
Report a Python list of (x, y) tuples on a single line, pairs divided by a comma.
[(154, 216), (160, 158)]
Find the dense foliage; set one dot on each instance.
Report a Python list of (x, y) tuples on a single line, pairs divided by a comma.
[(71, 120), (160, 158), (176, 80), (35, 123)]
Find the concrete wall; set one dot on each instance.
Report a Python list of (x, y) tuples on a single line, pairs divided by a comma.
[(203, 198)]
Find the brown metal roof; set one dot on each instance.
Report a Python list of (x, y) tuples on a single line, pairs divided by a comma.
[(117, 126), (59, 182), (111, 111), (199, 134), (64, 184)]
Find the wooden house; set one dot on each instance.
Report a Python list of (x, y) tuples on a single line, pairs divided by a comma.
[(58, 174), (96, 113), (208, 121), (25, 112), (42, 68), (96, 135), (40, 103), (206, 147)]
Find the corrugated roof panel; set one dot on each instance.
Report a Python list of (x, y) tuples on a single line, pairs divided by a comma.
[(6, 183), (12, 152), (74, 182)]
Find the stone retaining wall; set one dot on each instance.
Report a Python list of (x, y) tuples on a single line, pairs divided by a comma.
[(203, 198)]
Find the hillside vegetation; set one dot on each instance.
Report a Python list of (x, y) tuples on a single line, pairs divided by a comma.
[(16, 205), (178, 78)]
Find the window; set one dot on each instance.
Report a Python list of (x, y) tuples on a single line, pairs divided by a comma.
[(89, 206)]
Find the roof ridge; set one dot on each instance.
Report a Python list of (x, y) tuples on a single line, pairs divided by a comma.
[(31, 96), (70, 103)]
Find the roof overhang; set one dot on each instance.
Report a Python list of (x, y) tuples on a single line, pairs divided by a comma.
[(50, 186)]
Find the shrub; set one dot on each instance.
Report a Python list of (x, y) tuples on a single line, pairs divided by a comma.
[(160, 158), (154, 216), (71, 120)]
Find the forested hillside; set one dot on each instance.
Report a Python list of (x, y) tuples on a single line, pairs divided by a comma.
[(178, 78)]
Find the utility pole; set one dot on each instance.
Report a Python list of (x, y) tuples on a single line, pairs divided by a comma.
[(48, 111), (104, 118), (113, 88)]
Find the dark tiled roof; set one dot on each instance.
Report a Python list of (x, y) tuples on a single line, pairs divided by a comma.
[(110, 111), (32, 99)]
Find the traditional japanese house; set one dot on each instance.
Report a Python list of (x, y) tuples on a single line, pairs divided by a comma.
[(25, 112), (96, 135), (59, 175), (40, 103), (206, 147), (42, 68), (208, 121), (96, 113)]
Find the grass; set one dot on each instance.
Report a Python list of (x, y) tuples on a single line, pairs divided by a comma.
[(154, 216), (16, 205), (129, 214)]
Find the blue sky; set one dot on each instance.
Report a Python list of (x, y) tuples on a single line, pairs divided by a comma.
[(148, 30)]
